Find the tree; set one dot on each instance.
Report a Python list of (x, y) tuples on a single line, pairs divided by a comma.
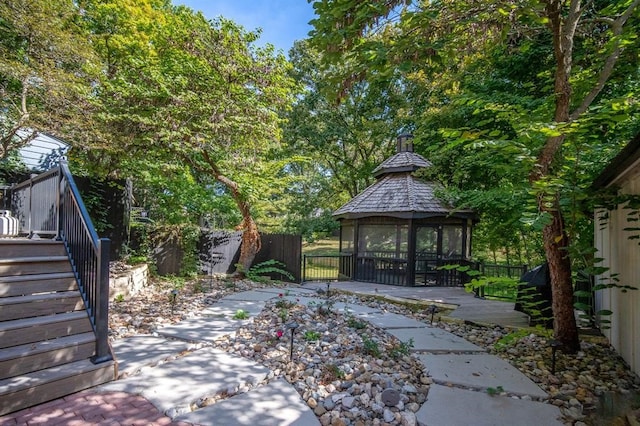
[(46, 66), (195, 92), (335, 146), (437, 37)]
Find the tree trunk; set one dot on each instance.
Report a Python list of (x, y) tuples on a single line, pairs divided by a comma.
[(564, 321), (251, 242)]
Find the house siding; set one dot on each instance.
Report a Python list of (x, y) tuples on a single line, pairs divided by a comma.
[(622, 256)]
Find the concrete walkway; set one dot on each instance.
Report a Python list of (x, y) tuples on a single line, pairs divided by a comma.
[(176, 373)]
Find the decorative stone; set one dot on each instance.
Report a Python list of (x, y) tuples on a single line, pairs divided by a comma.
[(388, 415), (390, 397), (347, 402)]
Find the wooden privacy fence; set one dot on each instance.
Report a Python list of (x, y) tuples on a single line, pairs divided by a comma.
[(219, 251)]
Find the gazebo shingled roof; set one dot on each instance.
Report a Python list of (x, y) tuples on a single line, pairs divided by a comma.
[(398, 193), (402, 162)]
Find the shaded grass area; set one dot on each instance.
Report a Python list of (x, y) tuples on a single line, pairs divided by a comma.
[(326, 247), (319, 268)]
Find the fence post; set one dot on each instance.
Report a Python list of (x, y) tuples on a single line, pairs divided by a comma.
[(102, 306), (304, 267)]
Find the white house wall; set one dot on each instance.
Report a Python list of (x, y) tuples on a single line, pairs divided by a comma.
[(622, 256)]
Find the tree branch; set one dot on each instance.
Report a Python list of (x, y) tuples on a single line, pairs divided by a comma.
[(609, 63)]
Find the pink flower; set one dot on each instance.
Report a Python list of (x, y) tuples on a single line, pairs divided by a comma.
[(279, 333), (280, 295)]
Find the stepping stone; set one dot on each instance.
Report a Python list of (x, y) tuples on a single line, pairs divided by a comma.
[(434, 340), (274, 404), (446, 406), (300, 290), (250, 296), (226, 309), (306, 300), (480, 371), (356, 310), (203, 373), (291, 291), (136, 352), (202, 329), (388, 320)]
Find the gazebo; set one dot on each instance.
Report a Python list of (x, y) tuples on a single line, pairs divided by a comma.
[(398, 232)]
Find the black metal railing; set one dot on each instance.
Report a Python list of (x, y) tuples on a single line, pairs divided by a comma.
[(320, 268), (50, 205), (386, 268)]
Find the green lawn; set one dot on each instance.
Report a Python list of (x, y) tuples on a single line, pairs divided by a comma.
[(326, 247)]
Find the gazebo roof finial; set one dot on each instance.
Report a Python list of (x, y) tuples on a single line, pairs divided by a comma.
[(405, 143)]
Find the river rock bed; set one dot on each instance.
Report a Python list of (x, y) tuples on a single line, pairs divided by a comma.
[(346, 370)]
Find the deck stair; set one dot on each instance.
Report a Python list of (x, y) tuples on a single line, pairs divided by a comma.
[(47, 341)]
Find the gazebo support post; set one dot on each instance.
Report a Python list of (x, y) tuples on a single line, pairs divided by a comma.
[(410, 273)]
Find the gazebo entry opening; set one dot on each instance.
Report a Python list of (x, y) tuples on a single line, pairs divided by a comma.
[(398, 232)]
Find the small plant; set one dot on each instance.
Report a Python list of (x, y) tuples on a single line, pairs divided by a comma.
[(326, 307), (241, 314), (119, 298), (311, 336), (283, 303), (355, 323), (259, 271), (331, 372), (401, 349), (370, 346), (495, 391), (198, 287), (178, 282), (283, 314)]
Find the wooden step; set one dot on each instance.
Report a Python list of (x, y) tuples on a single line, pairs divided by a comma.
[(22, 285), (30, 330), (21, 247), (19, 307), (44, 385), (19, 360), (34, 265)]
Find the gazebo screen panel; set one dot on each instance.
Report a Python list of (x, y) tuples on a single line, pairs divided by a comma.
[(383, 240), (427, 241), (346, 238), (452, 242)]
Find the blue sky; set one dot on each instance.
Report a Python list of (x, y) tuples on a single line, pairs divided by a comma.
[(282, 21)]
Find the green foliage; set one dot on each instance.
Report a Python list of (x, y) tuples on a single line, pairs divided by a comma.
[(186, 236), (331, 372), (311, 336), (355, 323), (370, 347), (119, 298), (259, 271), (284, 303), (495, 391), (241, 314), (47, 68), (401, 349), (511, 339), (283, 313)]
